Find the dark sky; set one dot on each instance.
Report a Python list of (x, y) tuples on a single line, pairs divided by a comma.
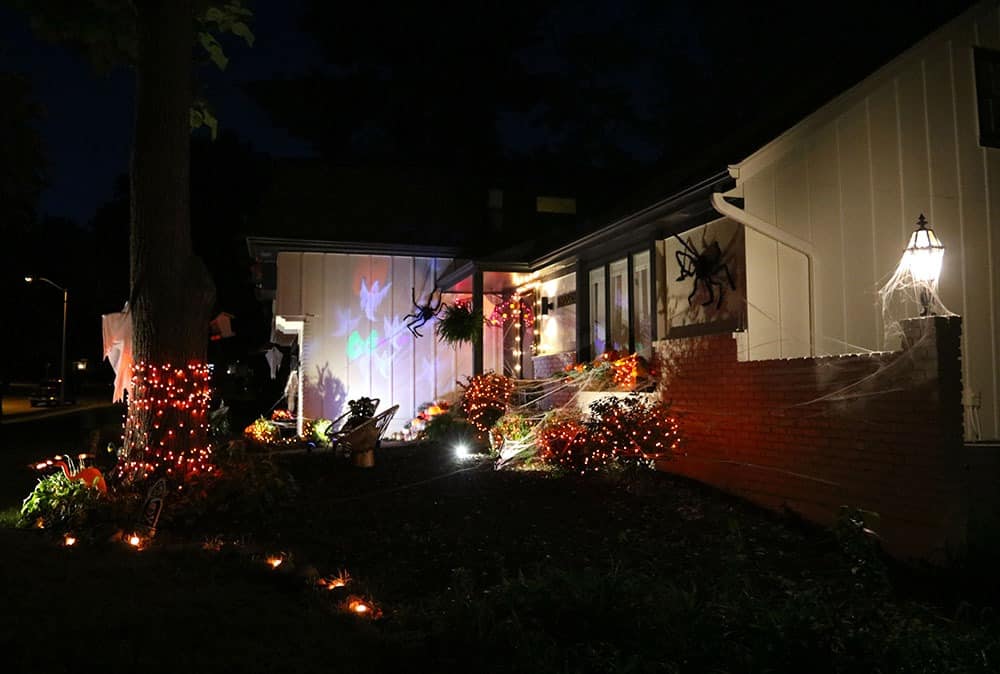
[(87, 126)]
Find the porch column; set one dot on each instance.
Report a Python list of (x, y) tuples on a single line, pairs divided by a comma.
[(477, 308), (582, 314)]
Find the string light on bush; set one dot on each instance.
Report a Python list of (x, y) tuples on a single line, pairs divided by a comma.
[(485, 399), (619, 430)]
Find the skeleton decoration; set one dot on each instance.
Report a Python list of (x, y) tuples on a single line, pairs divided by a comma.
[(424, 312), (704, 268)]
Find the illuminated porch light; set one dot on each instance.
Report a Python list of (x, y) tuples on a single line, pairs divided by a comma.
[(69, 540), (461, 450), (923, 257)]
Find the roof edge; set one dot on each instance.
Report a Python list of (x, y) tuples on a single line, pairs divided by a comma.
[(717, 182), (268, 246)]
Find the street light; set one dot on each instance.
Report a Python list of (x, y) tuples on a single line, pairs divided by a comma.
[(62, 362)]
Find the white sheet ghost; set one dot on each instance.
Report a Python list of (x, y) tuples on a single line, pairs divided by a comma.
[(372, 297)]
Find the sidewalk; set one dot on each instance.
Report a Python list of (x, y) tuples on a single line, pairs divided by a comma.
[(17, 409)]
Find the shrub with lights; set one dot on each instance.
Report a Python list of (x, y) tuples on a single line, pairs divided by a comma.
[(485, 399), (613, 371), (262, 432), (632, 429), (619, 432)]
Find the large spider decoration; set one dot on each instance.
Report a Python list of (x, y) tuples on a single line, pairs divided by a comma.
[(703, 267), (424, 312)]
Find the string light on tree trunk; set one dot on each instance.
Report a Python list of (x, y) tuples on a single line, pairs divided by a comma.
[(174, 399)]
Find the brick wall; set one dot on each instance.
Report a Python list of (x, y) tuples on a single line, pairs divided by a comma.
[(548, 365), (882, 432)]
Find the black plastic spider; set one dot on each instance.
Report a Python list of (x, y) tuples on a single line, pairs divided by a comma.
[(424, 312), (703, 267)]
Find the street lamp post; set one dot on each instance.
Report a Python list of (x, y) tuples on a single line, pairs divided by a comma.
[(62, 361)]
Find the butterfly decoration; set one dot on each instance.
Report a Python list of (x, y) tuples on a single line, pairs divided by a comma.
[(372, 297), (358, 346), (383, 362), (346, 322), (395, 332)]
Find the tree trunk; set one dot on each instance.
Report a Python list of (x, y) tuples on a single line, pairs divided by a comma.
[(172, 292)]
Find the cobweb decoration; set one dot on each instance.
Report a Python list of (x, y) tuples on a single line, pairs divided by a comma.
[(912, 290)]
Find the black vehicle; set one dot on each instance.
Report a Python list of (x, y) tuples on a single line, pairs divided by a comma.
[(47, 393)]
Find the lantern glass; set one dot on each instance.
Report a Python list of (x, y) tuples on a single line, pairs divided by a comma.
[(924, 255)]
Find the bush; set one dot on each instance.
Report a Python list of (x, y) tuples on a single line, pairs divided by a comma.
[(262, 432), (245, 489), (450, 428), (624, 432), (486, 398), (59, 503)]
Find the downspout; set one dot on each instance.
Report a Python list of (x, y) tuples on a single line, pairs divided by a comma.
[(720, 204)]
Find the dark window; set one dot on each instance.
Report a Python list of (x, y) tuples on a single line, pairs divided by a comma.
[(988, 95)]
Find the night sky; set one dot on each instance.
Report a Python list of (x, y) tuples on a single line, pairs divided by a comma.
[(87, 124), (635, 87)]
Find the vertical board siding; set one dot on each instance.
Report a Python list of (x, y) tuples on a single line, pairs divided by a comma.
[(355, 341), (824, 214), (793, 300), (870, 164), (856, 211), (337, 316), (425, 370), (791, 205), (400, 337), (987, 32), (887, 214), (764, 310), (759, 191), (288, 296)]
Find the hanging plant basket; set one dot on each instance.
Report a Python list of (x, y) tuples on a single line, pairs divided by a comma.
[(459, 323)]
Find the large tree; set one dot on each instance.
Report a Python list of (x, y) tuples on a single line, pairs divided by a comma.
[(171, 291)]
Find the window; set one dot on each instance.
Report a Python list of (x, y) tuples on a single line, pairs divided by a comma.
[(619, 305), (988, 95), (598, 333), (622, 314), (641, 305)]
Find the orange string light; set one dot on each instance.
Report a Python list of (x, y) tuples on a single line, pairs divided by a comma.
[(178, 398)]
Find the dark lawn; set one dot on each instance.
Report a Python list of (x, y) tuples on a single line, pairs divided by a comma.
[(478, 570)]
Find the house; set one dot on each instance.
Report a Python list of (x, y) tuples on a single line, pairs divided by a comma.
[(807, 229), (758, 285)]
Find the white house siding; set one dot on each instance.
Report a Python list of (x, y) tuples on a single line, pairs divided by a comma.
[(777, 299), (350, 349), (852, 178)]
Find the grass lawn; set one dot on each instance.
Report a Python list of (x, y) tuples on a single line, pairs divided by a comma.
[(477, 570)]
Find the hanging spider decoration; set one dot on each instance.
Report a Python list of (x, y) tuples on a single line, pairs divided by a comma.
[(424, 312), (704, 267)]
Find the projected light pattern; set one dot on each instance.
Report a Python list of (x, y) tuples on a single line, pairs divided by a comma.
[(355, 334)]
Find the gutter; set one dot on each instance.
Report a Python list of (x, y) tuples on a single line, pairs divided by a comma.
[(720, 204)]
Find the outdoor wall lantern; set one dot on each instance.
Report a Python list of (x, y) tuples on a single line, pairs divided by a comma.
[(546, 305), (922, 257)]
